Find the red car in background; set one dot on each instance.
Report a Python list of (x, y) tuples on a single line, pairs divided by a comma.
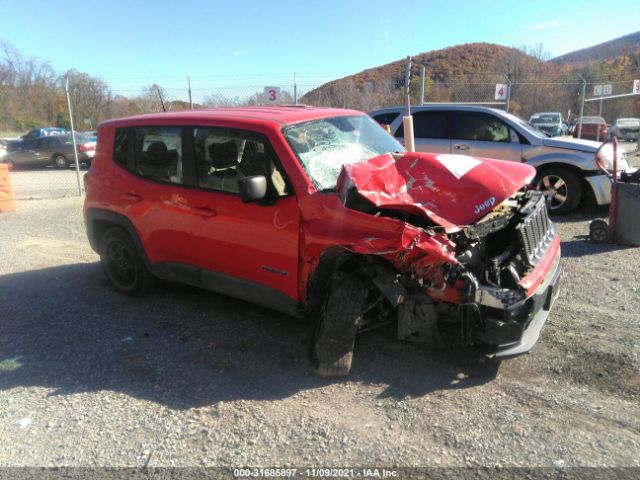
[(593, 128)]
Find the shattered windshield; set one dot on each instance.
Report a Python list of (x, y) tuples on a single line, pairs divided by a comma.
[(323, 146)]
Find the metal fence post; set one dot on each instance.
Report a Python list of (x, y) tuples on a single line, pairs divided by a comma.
[(600, 115), (155, 85), (584, 92), (295, 90), (73, 135), (190, 99), (422, 74)]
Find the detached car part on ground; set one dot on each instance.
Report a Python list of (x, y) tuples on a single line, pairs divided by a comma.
[(347, 229)]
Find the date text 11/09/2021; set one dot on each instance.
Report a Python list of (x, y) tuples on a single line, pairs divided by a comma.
[(315, 472)]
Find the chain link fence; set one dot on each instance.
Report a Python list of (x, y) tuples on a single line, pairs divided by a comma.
[(522, 95)]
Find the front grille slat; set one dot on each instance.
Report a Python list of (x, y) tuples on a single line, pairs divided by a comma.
[(536, 232)]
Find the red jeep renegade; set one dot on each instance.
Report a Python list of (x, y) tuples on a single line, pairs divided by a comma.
[(320, 213)]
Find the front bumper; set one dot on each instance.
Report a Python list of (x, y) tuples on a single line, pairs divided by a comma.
[(628, 136), (516, 329)]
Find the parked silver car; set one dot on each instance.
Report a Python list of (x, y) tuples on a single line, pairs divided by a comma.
[(626, 129), (566, 167)]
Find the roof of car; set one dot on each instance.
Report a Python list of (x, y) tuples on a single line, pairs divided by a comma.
[(282, 115)]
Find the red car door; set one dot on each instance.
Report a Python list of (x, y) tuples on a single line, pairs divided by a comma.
[(257, 242), (153, 193)]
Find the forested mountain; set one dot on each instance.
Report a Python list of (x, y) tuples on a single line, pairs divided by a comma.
[(469, 73), (626, 45)]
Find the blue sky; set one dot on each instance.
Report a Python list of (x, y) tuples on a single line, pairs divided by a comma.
[(132, 43)]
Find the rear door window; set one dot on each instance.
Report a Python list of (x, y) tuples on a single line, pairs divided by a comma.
[(428, 124), (158, 154)]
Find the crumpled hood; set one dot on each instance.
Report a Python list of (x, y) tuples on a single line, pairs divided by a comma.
[(451, 190), (572, 144)]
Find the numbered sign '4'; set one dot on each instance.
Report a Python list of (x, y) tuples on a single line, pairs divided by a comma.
[(501, 91), (272, 95)]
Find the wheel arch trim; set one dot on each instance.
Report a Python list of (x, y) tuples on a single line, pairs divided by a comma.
[(96, 216)]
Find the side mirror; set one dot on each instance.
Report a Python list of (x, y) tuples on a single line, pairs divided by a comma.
[(252, 188)]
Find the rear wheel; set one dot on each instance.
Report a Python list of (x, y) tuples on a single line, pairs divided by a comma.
[(60, 161), (336, 329), (561, 187), (121, 263)]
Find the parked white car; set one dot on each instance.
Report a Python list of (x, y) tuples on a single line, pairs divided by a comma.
[(626, 129)]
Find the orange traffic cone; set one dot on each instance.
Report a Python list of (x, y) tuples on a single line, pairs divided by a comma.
[(6, 194)]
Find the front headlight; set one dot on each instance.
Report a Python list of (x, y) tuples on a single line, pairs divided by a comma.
[(604, 159)]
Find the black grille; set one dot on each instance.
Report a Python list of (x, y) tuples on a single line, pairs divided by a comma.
[(536, 232)]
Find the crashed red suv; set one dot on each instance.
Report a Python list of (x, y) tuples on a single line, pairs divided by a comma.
[(319, 213)]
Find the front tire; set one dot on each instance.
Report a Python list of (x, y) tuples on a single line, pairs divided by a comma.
[(121, 263), (336, 328), (562, 189)]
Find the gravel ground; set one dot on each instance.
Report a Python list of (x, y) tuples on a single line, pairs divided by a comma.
[(183, 377)]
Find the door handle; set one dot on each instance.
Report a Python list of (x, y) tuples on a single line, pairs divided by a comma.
[(131, 197), (205, 211), (461, 146)]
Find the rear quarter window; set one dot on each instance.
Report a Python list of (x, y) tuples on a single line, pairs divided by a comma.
[(121, 148)]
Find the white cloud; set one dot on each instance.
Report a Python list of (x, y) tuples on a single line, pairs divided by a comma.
[(550, 24), (237, 53)]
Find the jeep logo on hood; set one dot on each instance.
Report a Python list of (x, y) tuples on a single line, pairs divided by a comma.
[(486, 204)]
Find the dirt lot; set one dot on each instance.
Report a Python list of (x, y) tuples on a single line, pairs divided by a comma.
[(184, 377)]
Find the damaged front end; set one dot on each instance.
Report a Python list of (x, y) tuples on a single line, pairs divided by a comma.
[(510, 265), (479, 259)]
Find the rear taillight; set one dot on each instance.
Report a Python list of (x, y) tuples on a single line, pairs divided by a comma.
[(87, 148)]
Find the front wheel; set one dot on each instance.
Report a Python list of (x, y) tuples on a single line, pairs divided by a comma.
[(336, 329), (561, 187), (122, 264)]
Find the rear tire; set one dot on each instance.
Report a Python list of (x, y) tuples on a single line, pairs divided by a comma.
[(562, 189), (122, 265), (335, 331), (60, 161)]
